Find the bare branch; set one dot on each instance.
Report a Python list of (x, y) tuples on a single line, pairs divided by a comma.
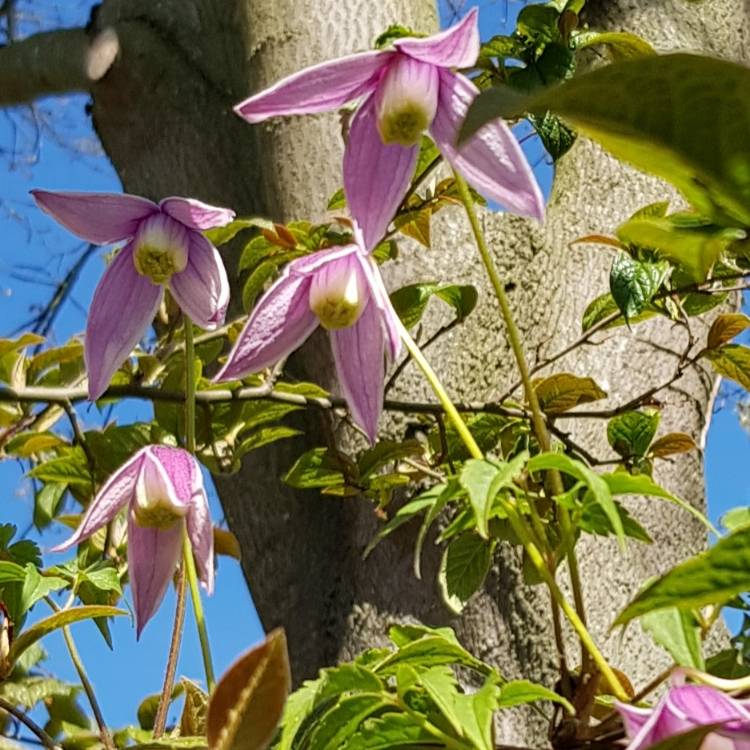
[(54, 62)]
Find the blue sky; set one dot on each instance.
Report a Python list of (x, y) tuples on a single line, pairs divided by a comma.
[(37, 249)]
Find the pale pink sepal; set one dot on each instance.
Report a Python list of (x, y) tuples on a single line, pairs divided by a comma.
[(202, 289), (376, 176), (320, 88), (153, 555), (195, 214), (280, 322), (491, 161), (456, 47), (100, 218), (116, 493), (123, 307), (358, 352)]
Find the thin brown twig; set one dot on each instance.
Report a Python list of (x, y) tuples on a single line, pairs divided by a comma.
[(160, 723), (31, 725)]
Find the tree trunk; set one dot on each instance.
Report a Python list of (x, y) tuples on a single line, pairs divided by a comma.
[(163, 112)]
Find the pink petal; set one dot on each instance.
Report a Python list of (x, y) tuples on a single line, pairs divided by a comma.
[(319, 88), (492, 161), (382, 301), (280, 322), (202, 289), (153, 555), (308, 264), (100, 218), (111, 498), (701, 704), (456, 47), (124, 305), (358, 352), (633, 717), (376, 176), (201, 533), (181, 469), (196, 215)]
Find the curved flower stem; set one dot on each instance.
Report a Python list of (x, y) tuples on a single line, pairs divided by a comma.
[(537, 416), (160, 723), (187, 550), (525, 534), (440, 392), (88, 688)]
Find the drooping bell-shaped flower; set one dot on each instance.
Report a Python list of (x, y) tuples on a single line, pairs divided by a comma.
[(163, 490), (687, 707), (341, 290), (164, 247), (404, 92)]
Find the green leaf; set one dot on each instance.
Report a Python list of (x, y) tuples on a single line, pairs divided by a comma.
[(70, 468), (26, 692), (501, 47), (37, 586), (404, 514), (684, 238), (58, 620), (623, 483), (594, 521), (483, 479), (465, 564), (735, 518), (561, 392), (411, 301), (622, 44), (538, 24), (713, 577), (630, 434), (732, 361), (47, 503), (676, 116), (603, 307), (316, 468), (335, 728), (221, 235), (390, 731), (520, 692), (557, 138), (678, 632), (634, 283), (597, 486), (392, 33), (435, 648), (726, 327)]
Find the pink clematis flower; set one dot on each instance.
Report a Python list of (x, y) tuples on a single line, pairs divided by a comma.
[(164, 246), (404, 92), (163, 489), (687, 707), (340, 289)]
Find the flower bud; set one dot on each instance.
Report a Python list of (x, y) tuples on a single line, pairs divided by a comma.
[(160, 248), (338, 293), (407, 99)]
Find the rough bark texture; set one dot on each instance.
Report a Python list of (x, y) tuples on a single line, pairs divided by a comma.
[(163, 113)]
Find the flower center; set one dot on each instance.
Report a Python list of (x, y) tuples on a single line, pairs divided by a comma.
[(160, 248), (407, 99), (338, 294), (159, 514)]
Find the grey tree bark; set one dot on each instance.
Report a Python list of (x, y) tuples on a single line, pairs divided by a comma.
[(163, 112)]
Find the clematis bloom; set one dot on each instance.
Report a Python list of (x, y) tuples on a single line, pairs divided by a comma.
[(340, 289), (164, 247), (403, 92), (163, 489), (686, 707)]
